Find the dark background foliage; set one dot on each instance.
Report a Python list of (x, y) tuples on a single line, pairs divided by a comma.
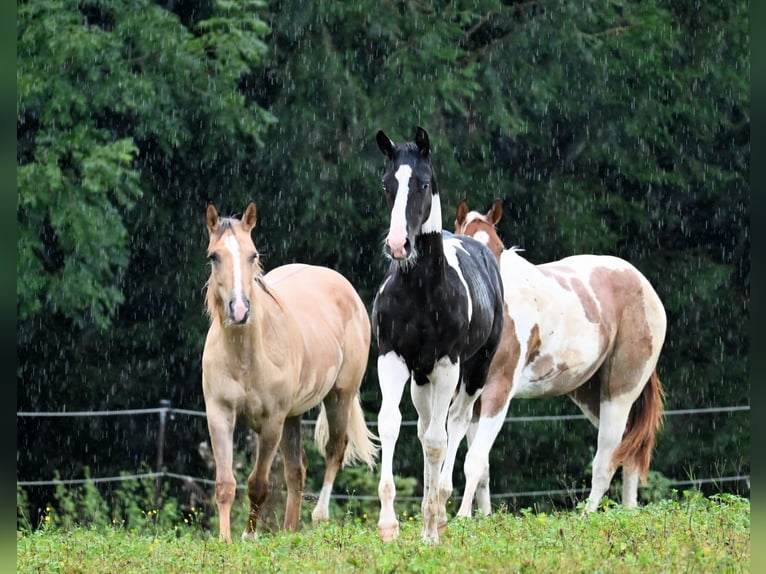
[(607, 127)]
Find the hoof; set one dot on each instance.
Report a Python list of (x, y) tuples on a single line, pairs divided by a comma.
[(389, 532), (431, 538), (249, 536), (317, 517)]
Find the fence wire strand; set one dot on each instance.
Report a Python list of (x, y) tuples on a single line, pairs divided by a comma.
[(506, 495)]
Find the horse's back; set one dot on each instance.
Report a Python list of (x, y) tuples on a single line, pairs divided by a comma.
[(614, 282), (602, 284), (299, 282), (574, 312), (332, 322), (319, 298)]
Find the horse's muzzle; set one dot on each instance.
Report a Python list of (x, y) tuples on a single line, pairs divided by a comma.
[(397, 245), (239, 310)]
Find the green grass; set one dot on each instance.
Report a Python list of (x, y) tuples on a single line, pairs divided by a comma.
[(692, 534)]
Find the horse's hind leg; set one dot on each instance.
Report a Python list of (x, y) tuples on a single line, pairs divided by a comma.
[(336, 406), (258, 481), (220, 422), (432, 402), (629, 486), (458, 422), (294, 458), (613, 419)]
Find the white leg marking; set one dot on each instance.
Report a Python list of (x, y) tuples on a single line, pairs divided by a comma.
[(322, 509), (483, 499), (613, 418), (629, 487), (393, 375), (434, 399), (460, 413), (476, 465)]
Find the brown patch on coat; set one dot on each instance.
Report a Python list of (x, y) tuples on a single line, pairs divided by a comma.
[(589, 395), (533, 344), (553, 273), (501, 372), (589, 305), (632, 336)]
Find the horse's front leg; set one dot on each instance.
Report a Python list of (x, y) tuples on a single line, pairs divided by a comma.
[(393, 374), (495, 400), (258, 481), (220, 424), (434, 399), (483, 499)]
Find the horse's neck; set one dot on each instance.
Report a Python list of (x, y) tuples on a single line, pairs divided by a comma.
[(430, 248), (258, 340)]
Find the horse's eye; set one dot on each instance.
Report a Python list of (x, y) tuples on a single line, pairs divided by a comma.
[(425, 186), (213, 258), (253, 258)]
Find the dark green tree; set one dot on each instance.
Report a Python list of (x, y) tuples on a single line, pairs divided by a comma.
[(611, 126), (130, 119)]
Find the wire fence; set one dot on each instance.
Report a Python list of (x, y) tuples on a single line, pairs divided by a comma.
[(165, 410)]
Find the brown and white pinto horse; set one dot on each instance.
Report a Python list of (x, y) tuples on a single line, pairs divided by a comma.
[(587, 326), (278, 345)]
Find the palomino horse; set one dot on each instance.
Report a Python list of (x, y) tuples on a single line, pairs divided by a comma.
[(587, 326), (438, 319), (278, 345)]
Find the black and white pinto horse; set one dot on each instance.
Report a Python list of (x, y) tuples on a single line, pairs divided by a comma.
[(438, 319)]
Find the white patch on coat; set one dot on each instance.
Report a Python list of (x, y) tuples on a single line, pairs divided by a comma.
[(450, 254), (434, 222)]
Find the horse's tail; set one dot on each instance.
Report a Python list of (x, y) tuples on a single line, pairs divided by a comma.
[(645, 419), (360, 445)]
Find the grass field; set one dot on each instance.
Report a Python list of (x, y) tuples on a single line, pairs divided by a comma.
[(691, 534)]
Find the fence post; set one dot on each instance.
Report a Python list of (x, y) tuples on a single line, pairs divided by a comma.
[(164, 407)]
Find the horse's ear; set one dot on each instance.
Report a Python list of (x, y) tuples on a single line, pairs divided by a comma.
[(248, 219), (386, 144), (462, 213), (495, 212), (212, 219), (421, 140)]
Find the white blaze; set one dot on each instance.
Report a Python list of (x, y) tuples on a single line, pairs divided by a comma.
[(398, 213), (482, 237), (240, 309), (397, 233)]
